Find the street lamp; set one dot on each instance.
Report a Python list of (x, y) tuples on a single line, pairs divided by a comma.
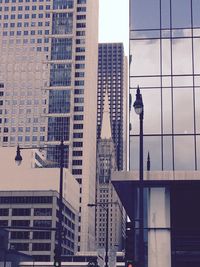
[(139, 109), (106, 208), (18, 160)]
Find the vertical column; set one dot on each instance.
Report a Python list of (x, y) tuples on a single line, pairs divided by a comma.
[(159, 244)]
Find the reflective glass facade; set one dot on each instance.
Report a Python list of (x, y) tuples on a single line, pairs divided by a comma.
[(61, 48), (62, 23), (60, 75), (164, 54), (59, 101)]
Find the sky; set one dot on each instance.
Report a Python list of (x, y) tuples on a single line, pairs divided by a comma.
[(114, 21)]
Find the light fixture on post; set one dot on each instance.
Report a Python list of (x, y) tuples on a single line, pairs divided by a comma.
[(139, 109), (18, 160)]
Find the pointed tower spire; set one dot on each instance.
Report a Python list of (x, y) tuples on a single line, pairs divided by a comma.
[(106, 127)]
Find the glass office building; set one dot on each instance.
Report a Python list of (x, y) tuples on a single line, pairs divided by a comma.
[(164, 54), (164, 63)]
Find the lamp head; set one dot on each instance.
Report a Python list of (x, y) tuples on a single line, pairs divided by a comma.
[(18, 157), (138, 104)]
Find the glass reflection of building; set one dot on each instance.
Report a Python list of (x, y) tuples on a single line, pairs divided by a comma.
[(165, 51), (164, 62)]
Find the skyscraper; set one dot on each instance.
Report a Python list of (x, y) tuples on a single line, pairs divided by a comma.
[(112, 70), (48, 53), (164, 54)]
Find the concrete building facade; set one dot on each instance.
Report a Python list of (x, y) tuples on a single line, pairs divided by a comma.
[(29, 199), (48, 87), (23, 211)]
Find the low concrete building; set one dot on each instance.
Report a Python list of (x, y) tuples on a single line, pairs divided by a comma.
[(29, 199), (171, 218)]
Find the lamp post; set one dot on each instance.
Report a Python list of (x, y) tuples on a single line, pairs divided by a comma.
[(18, 160), (102, 205), (139, 109)]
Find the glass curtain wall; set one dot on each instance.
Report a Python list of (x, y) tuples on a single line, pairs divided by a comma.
[(164, 54)]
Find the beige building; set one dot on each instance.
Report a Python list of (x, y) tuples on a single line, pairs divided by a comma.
[(48, 87), (29, 198)]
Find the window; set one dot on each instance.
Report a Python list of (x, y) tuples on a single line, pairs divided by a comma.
[(78, 117), (78, 135), (81, 17), (81, 9), (41, 235), (20, 235), (21, 212), (78, 126), (63, 4), (61, 48), (42, 223), (59, 101), (80, 41), (79, 91), (58, 128), (76, 171), (4, 212), (34, 138), (27, 138), (80, 33), (78, 108), (77, 162), (42, 212), (41, 246), (79, 83), (3, 222), (77, 153), (20, 223), (77, 144), (80, 58), (60, 74), (79, 66), (20, 246), (80, 25), (78, 100), (62, 23), (5, 139)]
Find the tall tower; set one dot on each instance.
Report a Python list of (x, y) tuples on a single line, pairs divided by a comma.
[(106, 164), (112, 70), (48, 87), (164, 46)]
